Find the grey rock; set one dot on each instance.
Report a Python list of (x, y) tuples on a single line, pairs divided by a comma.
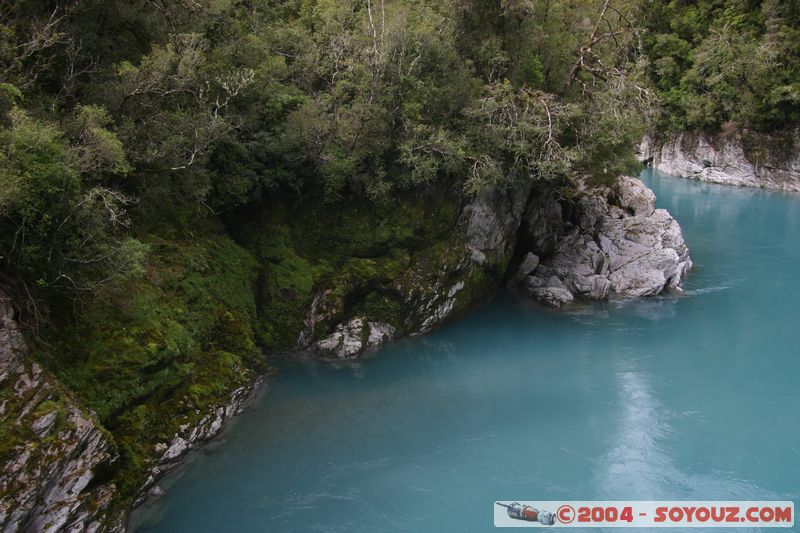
[(492, 221), (592, 209), (380, 333), (636, 196), (550, 291), (436, 311), (346, 342), (176, 449), (723, 159), (529, 263), (44, 424), (352, 339), (542, 224), (629, 249)]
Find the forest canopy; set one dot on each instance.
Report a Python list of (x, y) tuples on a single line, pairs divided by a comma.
[(121, 117)]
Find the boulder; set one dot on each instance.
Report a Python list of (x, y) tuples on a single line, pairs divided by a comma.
[(528, 264), (551, 291), (615, 242)]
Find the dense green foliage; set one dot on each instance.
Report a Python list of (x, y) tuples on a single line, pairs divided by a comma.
[(716, 61), (137, 113), (158, 350)]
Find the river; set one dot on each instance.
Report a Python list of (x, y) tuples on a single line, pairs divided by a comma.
[(677, 397)]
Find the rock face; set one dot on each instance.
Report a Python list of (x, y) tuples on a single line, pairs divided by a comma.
[(602, 241), (774, 163), (51, 448), (351, 339), (590, 244), (434, 284)]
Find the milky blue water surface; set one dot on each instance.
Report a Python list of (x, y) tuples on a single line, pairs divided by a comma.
[(676, 397)]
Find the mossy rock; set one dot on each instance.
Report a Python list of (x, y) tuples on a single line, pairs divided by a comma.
[(160, 350)]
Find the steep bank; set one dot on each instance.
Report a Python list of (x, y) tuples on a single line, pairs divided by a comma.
[(145, 371), (747, 159), (340, 280), (51, 447)]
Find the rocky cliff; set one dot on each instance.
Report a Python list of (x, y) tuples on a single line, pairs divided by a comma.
[(437, 283), (742, 159), (52, 448)]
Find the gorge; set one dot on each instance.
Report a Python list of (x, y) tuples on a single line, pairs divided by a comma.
[(629, 398), (207, 205), (631, 249)]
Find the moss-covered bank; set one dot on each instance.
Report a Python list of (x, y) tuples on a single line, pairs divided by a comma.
[(334, 262), (156, 352)]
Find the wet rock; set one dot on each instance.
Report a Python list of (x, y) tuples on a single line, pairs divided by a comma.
[(177, 448), (551, 291), (380, 333), (346, 342), (350, 340)]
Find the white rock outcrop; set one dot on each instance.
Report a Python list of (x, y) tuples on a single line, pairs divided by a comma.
[(353, 338), (724, 160), (614, 242)]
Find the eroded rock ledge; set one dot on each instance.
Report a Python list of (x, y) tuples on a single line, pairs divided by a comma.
[(598, 242), (743, 159)]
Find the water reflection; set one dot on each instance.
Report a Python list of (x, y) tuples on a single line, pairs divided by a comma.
[(638, 465), (635, 465)]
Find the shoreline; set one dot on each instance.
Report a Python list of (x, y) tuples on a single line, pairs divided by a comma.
[(756, 161), (166, 473)]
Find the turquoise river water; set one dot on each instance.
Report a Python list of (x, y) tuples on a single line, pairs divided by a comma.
[(691, 397)]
